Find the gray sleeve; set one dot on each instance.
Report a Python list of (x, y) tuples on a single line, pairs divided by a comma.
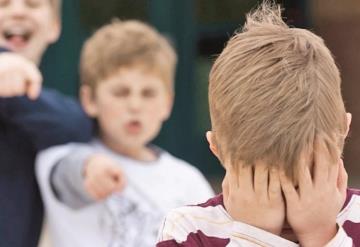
[(66, 178)]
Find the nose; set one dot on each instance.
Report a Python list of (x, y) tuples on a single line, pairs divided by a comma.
[(135, 103), (18, 9)]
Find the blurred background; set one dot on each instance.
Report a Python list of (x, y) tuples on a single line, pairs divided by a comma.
[(198, 30)]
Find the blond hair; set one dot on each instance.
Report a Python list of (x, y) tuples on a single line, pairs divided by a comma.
[(125, 44), (272, 90)]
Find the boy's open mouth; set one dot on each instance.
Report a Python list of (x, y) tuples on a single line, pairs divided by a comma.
[(17, 37), (133, 127)]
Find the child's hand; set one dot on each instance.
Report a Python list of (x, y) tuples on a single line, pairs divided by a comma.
[(313, 207), (18, 76), (255, 199), (102, 177)]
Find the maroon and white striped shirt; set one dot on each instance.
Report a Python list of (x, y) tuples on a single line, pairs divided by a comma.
[(210, 225)]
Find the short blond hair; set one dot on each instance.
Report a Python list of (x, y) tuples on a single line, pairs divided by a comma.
[(272, 90), (125, 44)]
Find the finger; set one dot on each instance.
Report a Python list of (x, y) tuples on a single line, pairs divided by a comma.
[(107, 185), (321, 162), (334, 170), (121, 184), (33, 81), (245, 177), (225, 186), (17, 85), (98, 186), (118, 179), (261, 178), (342, 178), (114, 172), (274, 184), (92, 190), (33, 90), (11, 84), (304, 175), (103, 191), (232, 177), (288, 188), (7, 84), (305, 182)]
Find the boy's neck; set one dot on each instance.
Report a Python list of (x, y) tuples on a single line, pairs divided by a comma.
[(139, 153), (289, 235)]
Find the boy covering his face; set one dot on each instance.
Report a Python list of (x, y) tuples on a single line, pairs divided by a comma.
[(278, 128)]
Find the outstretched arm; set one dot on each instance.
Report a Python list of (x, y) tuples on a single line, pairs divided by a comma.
[(82, 178), (46, 117), (49, 120), (67, 180)]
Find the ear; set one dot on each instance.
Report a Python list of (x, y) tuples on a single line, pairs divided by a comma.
[(54, 31), (212, 144), (348, 119), (88, 101), (169, 105)]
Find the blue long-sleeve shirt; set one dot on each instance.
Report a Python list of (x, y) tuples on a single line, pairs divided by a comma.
[(26, 127)]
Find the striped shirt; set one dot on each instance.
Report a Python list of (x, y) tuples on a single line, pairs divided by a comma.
[(209, 225)]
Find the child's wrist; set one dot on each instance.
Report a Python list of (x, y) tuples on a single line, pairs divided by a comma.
[(85, 169), (319, 237), (87, 165)]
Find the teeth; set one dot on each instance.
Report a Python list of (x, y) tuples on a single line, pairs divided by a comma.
[(17, 32)]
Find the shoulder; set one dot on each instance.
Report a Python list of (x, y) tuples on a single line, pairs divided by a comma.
[(184, 178), (350, 194), (185, 172), (48, 98), (53, 154), (349, 217), (190, 224), (69, 147), (55, 95), (188, 215), (353, 191), (213, 202), (60, 103), (178, 165)]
